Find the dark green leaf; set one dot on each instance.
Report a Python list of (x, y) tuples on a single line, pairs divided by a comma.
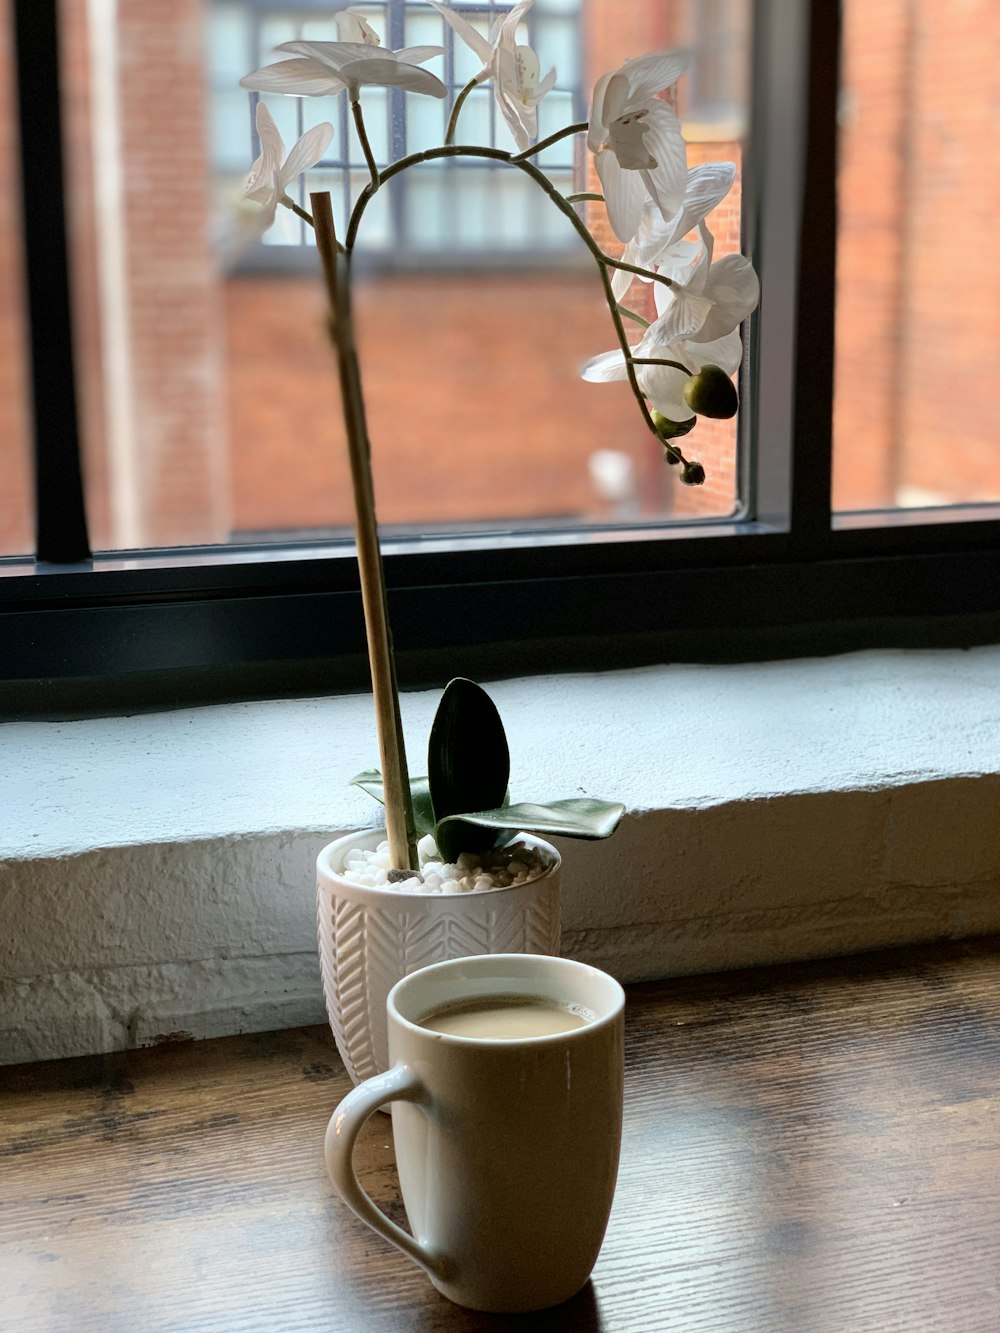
[(423, 812), (578, 817), (468, 762)]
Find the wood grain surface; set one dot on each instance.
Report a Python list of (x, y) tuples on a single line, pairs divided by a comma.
[(813, 1148)]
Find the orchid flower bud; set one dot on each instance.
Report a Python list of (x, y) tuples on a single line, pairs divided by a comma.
[(669, 430), (711, 393), (693, 474)]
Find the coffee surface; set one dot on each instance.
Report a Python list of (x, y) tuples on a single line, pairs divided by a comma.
[(506, 1017)]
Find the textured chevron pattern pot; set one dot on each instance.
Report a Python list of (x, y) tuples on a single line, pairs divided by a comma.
[(370, 938)]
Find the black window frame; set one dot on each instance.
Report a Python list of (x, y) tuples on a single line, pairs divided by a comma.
[(80, 634)]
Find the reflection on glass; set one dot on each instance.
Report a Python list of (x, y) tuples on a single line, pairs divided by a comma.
[(211, 407), (917, 412)]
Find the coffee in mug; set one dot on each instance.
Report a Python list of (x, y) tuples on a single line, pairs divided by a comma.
[(506, 1093), (506, 1018)]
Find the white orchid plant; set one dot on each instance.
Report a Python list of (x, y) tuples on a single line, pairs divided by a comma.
[(681, 367)]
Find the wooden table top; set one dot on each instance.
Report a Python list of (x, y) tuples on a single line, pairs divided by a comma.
[(812, 1148)]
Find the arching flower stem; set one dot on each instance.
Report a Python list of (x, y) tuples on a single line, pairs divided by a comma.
[(634, 268), (658, 361), (449, 134), (289, 203), (604, 262), (580, 128), (366, 148)]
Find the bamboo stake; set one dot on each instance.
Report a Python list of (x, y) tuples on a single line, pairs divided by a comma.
[(395, 779)]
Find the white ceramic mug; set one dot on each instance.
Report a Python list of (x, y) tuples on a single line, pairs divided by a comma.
[(507, 1149)]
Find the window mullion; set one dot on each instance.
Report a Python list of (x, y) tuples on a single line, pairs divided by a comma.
[(790, 225), (816, 296), (61, 524)]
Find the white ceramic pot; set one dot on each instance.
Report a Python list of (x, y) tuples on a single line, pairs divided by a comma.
[(370, 938)]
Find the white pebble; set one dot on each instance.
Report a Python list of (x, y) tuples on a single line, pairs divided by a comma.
[(515, 864), (427, 848)]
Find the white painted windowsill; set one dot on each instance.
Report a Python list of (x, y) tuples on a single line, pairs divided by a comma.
[(156, 871)]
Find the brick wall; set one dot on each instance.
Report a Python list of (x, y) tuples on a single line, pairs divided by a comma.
[(918, 298), (165, 427), (506, 430)]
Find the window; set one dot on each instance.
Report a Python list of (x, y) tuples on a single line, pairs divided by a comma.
[(209, 410), (772, 570), (463, 207)]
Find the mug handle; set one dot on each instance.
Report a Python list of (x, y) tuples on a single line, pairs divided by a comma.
[(397, 1084)]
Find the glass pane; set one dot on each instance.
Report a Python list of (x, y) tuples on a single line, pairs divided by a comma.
[(917, 412), (210, 402), (16, 502), (717, 35)]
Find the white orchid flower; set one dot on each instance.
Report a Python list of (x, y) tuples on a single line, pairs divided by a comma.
[(514, 69), (663, 386), (715, 299), (698, 325), (325, 68), (273, 172), (354, 27), (660, 240), (636, 140)]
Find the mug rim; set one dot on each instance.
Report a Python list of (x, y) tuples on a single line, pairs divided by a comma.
[(609, 1015)]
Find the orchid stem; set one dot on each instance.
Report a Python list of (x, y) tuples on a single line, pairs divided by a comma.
[(449, 134), (400, 829), (583, 196), (658, 361), (603, 261), (366, 148), (630, 314), (542, 144), (635, 268), (299, 212)]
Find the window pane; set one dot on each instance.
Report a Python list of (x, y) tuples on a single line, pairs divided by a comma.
[(917, 414), (16, 518), (210, 401)]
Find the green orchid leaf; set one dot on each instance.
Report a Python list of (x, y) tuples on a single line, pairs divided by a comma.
[(578, 817), (420, 794), (468, 763)]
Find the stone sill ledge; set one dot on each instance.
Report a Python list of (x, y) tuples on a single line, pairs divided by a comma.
[(156, 871)]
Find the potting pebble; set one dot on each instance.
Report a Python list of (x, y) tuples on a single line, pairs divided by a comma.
[(472, 872)]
